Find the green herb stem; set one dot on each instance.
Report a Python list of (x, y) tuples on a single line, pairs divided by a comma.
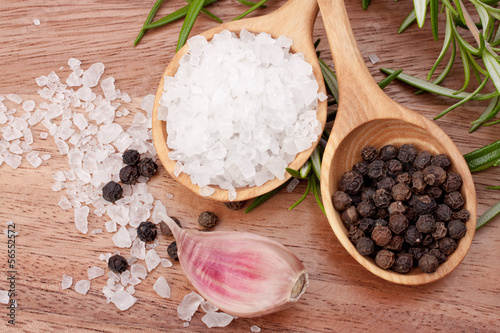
[(488, 215), (251, 9), (149, 19), (483, 158), (264, 197), (493, 187), (250, 3), (174, 16), (330, 79), (192, 14)]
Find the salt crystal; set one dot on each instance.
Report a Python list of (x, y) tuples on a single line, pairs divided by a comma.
[(124, 277), (322, 96), (207, 306), (122, 238), (292, 185), (66, 282), (133, 233), (119, 214), (159, 208), (109, 133), (108, 88), (4, 297), (64, 202), (36, 21), (14, 161), (254, 329), (206, 191), (152, 260), (80, 121), (85, 94), (130, 290), (95, 272), (185, 324), (57, 186), (45, 157), (138, 249), (373, 58), (28, 105), (217, 319), (74, 63), (189, 305), (111, 274), (97, 231), (16, 149), (123, 300), (126, 98), (59, 176), (162, 288), (169, 196), (62, 146), (110, 226), (166, 263), (81, 215), (14, 98), (82, 286), (138, 271), (92, 75)]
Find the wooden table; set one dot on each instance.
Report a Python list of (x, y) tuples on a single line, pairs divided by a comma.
[(342, 295)]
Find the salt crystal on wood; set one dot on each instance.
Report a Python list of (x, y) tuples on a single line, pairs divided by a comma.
[(166, 263), (152, 260), (217, 319), (108, 88), (28, 105), (82, 286), (161, 287), (123, 300), (92, 75), (14, 98), (254, 329), (138, 271), (81, 215), (189, 305), (110, 226), (122, 238), (14, 161), (95, 272), (66, 282), (207, 306), (4, 297)]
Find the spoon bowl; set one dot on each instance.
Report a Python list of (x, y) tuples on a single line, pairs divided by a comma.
[(294, 20), (367, 116)]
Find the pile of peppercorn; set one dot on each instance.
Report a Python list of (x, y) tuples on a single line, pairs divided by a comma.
[(129, 174), (402, 207)]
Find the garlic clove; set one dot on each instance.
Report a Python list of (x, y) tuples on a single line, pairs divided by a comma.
[(243, 274)]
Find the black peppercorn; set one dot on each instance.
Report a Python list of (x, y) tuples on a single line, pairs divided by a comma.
[(386, 183), (377, 170), (407, 153), (382, 213), (361, 167), (418, 183), (398, 223), (367, 193), (350, 217), (462, 215), (403, 178), (129, 175), (396, 243), (117, 263), (400, 192), (147, 167), (396, 207), (131, 157), (428, 241), (366, 209), (441, 257), (426, 224), (456, 229), (443, 213), (434, 175), (341, 200), (417, 253), (172, 251), (381, 235), (369, 153), (366, 225), (388, 152), (440, 231), (165, 229), (356, 199), (424, 204), (351, 182), (365, 246), (434, 192), (385, 259), (382, 198), (403, 263), (411, 214), (112, 191), (441, 160), (234, 205), (447, 245), (422, 160), (355, 234), (394, 167), (207, 220), (452, 183), (380, 222), (428, 263), (146, 231), (454, 200), (413, 236)]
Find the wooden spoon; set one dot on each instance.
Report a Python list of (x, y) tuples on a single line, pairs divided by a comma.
[(367, 116), (294, 20)]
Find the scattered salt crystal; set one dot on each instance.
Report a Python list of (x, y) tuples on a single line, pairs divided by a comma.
[(138, 271), (81, 215), (28, 105), (64, 202), (161, 287), (82, 286), (122, 238), (110, 226), (36, 21), (217, 319), (92, 75), (322, 97), (57, 186), (166, 263), (169, 196), (95, 272), (66, 282), (189, 305), (123, 300), (97, 231), (74, 63), (126, 98), (4, 297), (292, 185), (159, 208), (185, 324), (152, 260), (373, 58), (15, 148), (108, 88), (207, 306), (45, 157), (124, 277), (255, 329), (85, 94), (206, 191), (130, 290), (133, 233), (119, 214), (59, 176), (111, 274), (109, 133), (14, 161), (14, 98), (80, 121), (62, 146)]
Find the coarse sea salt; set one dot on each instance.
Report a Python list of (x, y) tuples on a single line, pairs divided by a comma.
[(82, 286), (66, 282), (217, 319), (239, 110), (189, 305), (161, 287)]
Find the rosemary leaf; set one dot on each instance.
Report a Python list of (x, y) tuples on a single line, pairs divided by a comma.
[(303, 197), (264, 197), (492, 123), (493, 187), (251, 9), (249, 3), (385, 82), (208, 13), (149, 19), (316, 162), (330, 79), (484, 157), (317, 192), (446, 44), (465, 63), (493, 68), (305, 171), (407, 21), (420, 10), (434, 9), (294, 173), (488, 215), (191, 16), (365, 4), (490, 112), (180, 13)]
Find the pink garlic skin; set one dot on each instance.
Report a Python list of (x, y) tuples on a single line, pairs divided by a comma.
[(243, 274)]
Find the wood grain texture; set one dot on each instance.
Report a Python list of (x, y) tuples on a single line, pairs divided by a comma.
[(294, 20), (366, 115), (343, 295)]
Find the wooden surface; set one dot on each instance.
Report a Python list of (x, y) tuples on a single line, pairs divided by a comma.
[(342, 296)]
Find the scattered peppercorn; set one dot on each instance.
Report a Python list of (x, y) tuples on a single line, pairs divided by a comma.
[(386, 183), (361, 167), (234, 205), (341, 200), (165, 229), (434, 192), (146, 231), (117, 263), (443, 213), (381, 235), (350, 216), (454, 200), (112, 191), (400, 192), (385, 259), (172, 251), (208, 219), (447, 245), (462, 215), (441, 257), (396, 243), (456, 229), (418, 183), (428, 263), (366, 225), (413, 236), (440, 231), (398, 223), (366, 208), (424, 204), (403, 178), (441, 160), (147, 167), (434, 175), (452, 183), (382, 198), (367, 193), (407, 153), (131, 157), (369, 153), (422, 160), (403, 263), (388, 152), (351, 182), (396, 207), (355, 234), (365, 246), (426, 224), (129, 175)]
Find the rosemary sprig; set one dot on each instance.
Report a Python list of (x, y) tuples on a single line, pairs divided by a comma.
[(192, 14), (251, 9), (149, 19)]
